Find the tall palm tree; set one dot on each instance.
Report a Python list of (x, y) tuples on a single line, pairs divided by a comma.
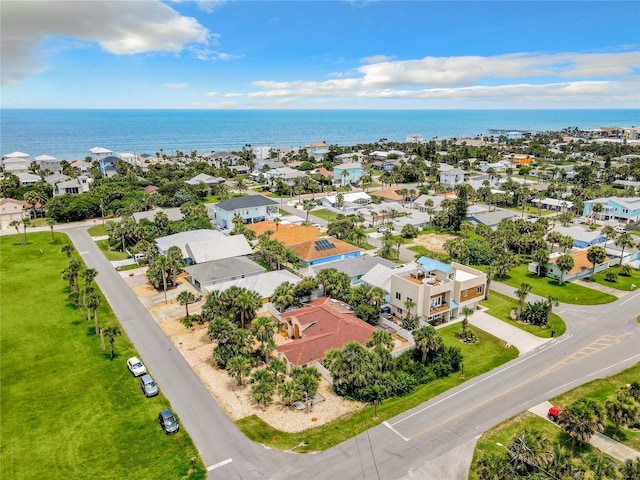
[(380, 338), (238, 367), (609, 234), (93, 302), (111, 333), (521, 293), (551, 302), (409, 304), (26, 222), (427, 341), (565, 263), (263, 329), (247, 303), (490, 272), (51, 222), (581, 420), (541, 257), (467, 311), (185, 298), (596, 255), (68, 250), (623, 241)]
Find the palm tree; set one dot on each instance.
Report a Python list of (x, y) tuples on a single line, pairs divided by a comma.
[(551, 302), (490, 272), (277, 221), (380, 338), (541, 257), (263, 329), (238, 367), (185, 298), (409, 304), (596, 209), (68, 250), (529, 450), (247, 303), (609, 234), (596, 255), (164, 264), (278, 369), (581, 420), (521, 293), (621, 411), (51, 222), (262, 392), (565, 263), (427, 341), (26, 222), (290, 391), (623, 241), (467, 311), (176, 262), (111, 333), (358, 235), (93, 302)]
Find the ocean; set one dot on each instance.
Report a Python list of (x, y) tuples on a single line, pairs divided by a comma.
[(69, 134)]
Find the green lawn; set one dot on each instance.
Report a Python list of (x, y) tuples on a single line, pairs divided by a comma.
[(98, 231), (500, 306), (602, 390), (543, 286), (598, 390), (325, 214), (623, 282), (111, 255), (479, 358), (68, 411), (217, 199)]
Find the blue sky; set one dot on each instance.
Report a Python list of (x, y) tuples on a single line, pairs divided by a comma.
[(320, 55)]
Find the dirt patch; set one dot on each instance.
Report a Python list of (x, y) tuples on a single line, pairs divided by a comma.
[(194, 345), (433, 241)]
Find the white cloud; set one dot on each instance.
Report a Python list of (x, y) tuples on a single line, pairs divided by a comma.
[(202, 53), (120, 28), (566, 78), (175, 85), (377, 59), (205, 5)]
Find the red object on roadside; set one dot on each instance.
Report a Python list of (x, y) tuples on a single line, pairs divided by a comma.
[(554, 413)]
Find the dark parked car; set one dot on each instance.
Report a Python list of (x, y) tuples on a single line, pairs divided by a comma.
[(148, 386), (168, 421)]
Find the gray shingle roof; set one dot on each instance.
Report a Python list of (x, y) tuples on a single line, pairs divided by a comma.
[(245, 202), (222, 269)]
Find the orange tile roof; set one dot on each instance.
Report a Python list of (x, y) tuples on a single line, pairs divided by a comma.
[(388, 193), (289, 234), (580, 261), (307, 250), (324, 172), (325, 329)]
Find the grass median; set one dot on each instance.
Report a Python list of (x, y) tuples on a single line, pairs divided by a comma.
[(68, 410)]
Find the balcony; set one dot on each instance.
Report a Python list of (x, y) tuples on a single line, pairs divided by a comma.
[(439, 309)]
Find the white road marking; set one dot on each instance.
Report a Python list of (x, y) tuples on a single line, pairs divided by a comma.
[(629, 299), (84, 252), (566, 337), (219, 464), (388, 425)]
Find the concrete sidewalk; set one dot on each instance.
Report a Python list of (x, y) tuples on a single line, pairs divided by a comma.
[(523, 341), (603, 443)]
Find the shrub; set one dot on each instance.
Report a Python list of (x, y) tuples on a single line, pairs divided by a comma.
[(611, 277)]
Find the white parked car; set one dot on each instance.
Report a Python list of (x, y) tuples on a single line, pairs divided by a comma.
[(620, 229), (136, 367)]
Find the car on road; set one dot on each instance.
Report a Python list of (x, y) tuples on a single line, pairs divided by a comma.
[(620, 229), (554, 414), (168, 422), (148, 386), (136, 367)]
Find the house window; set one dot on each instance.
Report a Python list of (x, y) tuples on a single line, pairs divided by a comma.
[(436, 302), (399, 310), (465, 293), (479, 289), (398, 296), (409, 299)]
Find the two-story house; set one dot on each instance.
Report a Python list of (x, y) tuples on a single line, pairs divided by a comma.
[(347, 173), (436, 291), (452, 177), (623, 209), (251, 208)]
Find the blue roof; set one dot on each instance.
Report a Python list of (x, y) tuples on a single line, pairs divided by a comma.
[(430, 264), (453, 304)]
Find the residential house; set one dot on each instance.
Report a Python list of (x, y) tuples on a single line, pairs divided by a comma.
[(380, 276), (384, 165), (205, 276), (318, 150), (630, 157), (324, 250), (173, 214), (220, 159), (149, 189), (81, 165), (582, 237), (12, 209), (286, 174), (201, 246), (519, 159), (389, 194), (415, 218), (493, 218), (452, 177), (16, 162), (47, 162), (628, 185), (286, 233), (74, 186), (315, 329), (581, 266), (555, 204), (438, 290), (347, 173), (351, 201), (251, 208), (355, 268), (622, 209), (353, 157), (264, 283), (27, 178), (206, 179)]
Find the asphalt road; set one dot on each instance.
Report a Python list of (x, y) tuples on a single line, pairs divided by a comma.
[(430, 441)]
